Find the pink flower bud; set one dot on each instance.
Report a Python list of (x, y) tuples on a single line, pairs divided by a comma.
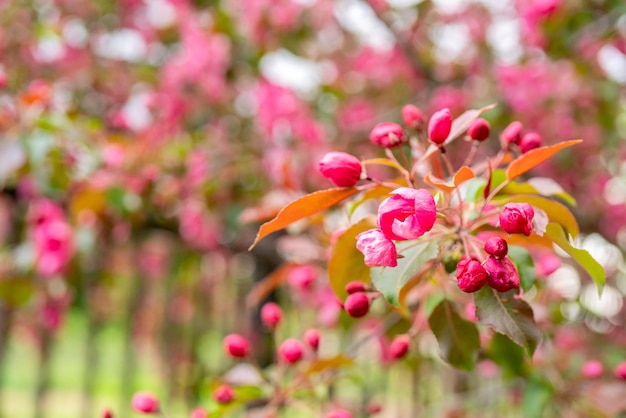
[(271, 314), (291, 350), (355, 286), (512, 134), (377, 248), (107, 413), (302, 277), (399, 346), (387, 134), (338, 413), (374, 408), (470, 274), (517, 218), (343, 169), (439, 126), (407, 214), (530, 141), (503, 275), (620, 371), (199, 413), (592, 369), (357, 305), (145, 402), (312, 338), (223, 394), (236, 346), (496, 247), (479, 130), (413, 117)]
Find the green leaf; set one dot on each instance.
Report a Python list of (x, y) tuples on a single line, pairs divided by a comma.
[(508, 315), (303, 208), (525, 266), (508, 355), (458, 339), (582, 257), (390, 280), (537, 395), (346, 262)]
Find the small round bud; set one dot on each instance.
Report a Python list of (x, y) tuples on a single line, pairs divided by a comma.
[(271, 315), (199, 413), (355, 286), (496, 247), (517, 218), (291, 350), (503, 275), (471, 275), (530, 141), (338, 413), (439, 126), (343, 169), (413, 117), (512, 134), (479, 130), (223, 394), (107, 413), (387, 134), (236, 346), (312, 338), (399, 346), (620, 371), (592, 369), (357, 304), (145, 402)]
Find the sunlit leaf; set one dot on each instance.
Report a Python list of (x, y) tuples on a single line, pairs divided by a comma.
[(586, 261), (533, 158), (303, 208), (465, 173), (508, 315), (346, 262), (331, 363), (458, 339), (389, 281)]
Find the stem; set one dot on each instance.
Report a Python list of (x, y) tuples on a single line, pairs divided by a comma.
[(472, 153)]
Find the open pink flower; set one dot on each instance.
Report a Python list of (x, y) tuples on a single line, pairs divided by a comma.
[(408, 214), (377, 248)]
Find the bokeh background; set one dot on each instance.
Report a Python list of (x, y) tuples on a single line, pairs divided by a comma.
[(143, 141)]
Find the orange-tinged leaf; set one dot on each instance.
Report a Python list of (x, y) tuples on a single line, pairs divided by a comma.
[(465, 173), (303, 208), (459, 125), (346, 262), (534, 157), (329, 363)]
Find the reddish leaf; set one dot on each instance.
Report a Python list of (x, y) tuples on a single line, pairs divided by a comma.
[(488, 185), (535, 157), (302, 208)]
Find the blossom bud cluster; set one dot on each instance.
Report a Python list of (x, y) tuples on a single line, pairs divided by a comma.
[(512, 135)]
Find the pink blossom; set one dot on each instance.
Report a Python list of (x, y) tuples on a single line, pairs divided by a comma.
[(145, 402), (53, 246), (271, 315), (312, 338), (471, 275), (343, 169), (223, 394), (291, 350), (512, 134), (479, 130), (530, 141), (387, 134), (302, 277), (592, 369), (439, 126), (236, 346), (496, 247), (357, 304), (503, 275), (399, 347), (517, 218), (377, 248), (408, 214), (412, 116)]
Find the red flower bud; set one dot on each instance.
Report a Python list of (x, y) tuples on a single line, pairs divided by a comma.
[(338, 413), (145, 402), (343, 169), (399, 346), (512, 134), (439, 126), (470, 274), (291, 350), (236, 346), (413, 117), (496, 247), (479, 130), (271, 314), (592, 369), (312, 338), (199, 413), (374, 408), (387, 134), (357, 304), (620, 371), (530, 141), (503, 275), (355, 286), (106, 413), (224, 394), (517, 218)]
